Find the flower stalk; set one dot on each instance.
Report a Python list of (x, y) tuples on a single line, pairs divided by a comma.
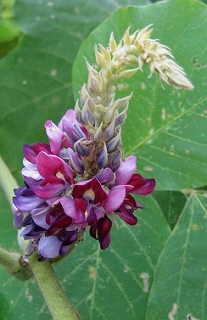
[(51, 289)]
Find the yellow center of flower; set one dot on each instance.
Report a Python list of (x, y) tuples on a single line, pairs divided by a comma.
[(60, 175), (89, 195)]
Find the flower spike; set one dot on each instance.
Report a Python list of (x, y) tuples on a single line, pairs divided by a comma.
[(78, 180)]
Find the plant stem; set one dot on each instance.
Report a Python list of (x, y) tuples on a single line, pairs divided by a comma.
[(51, 289), (15, 264), (7, 181)]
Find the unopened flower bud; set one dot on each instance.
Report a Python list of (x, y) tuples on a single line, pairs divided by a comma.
[(98, 135), (120, 118), (125, 74), (109, 131), (122, 102), (102, 158), (75, 161), (87, 115), (100, 59), (93, 79), (112, 42), (81, 148), (78, 113), (113, 142), (115, 159)]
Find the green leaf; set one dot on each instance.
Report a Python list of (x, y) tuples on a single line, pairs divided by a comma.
[(179, 286), (169, 125), (172, 204)]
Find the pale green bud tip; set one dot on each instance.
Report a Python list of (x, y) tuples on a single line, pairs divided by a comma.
[(112, 42)]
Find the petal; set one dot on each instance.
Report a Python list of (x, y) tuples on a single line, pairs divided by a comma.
[(101, 231), (48, 165), (72, 127), (105, 242), (69, 206), (127, 216), (70, 237), (27, 203), (49, 247), (74, 208), (115, 198), (51, 165), (141, 185), (90, 190), (55, 136), (125, 171), (75, 161), (105, 176), (30, 172), (32, 150), (49, 188), (104, 226), (39, 216)]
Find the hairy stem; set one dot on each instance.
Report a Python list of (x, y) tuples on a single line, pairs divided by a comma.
[(52, 291), (15, 264)]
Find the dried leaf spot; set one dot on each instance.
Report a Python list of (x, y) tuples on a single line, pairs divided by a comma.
[(53, 73), (126, 269), (143, 86), (50, 4), (199, 65), (163, 116), (172, 313), (191, 317), (145, 277), (148, 168), (92, 272)]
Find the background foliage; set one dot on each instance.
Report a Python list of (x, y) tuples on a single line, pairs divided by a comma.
[(158, 269)]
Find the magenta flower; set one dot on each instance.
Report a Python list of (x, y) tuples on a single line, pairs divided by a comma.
[(73, 184), (56, 176)]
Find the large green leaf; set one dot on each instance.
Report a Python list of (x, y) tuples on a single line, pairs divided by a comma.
[(172, 203), (169, 125), (180, 288)]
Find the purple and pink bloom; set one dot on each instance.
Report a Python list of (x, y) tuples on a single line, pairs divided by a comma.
[(71, 184)]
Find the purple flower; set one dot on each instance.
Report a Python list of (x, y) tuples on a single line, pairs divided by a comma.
[(56, 176), (72, 184)]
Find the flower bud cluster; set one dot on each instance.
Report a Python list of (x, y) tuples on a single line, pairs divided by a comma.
[(136, 50)]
